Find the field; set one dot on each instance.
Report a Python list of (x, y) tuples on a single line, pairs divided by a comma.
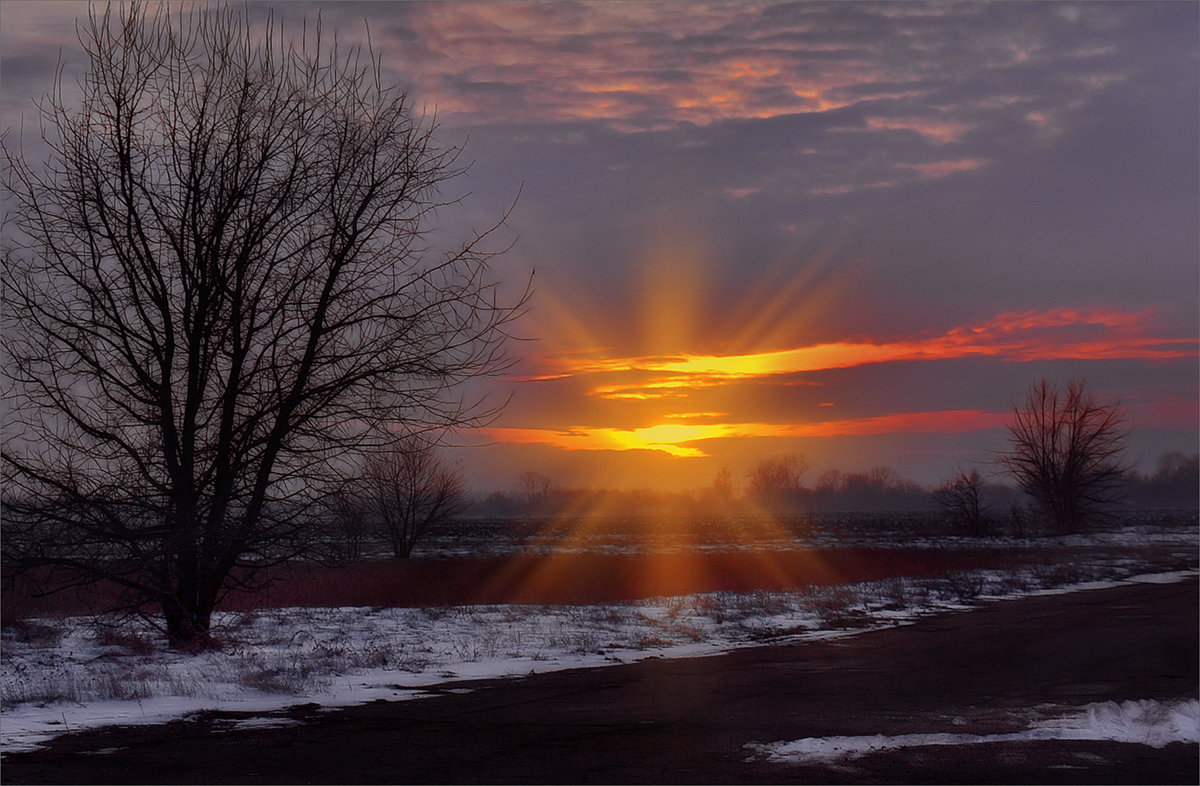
[(510, 599)]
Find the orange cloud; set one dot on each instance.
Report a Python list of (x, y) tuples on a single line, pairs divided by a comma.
[(940, 131), (680, 439), (936, 169), (624, 87), (849, 189), (745, 69), (819, 102), (1064, 333), (953, 421), (629, 385), (741, 193)]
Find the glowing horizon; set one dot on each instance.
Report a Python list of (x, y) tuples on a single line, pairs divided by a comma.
[(652, 390), (676, 439)]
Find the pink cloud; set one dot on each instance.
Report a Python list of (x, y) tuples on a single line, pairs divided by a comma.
[(936, 169)]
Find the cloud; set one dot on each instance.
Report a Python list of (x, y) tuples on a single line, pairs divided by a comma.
[(935, 169), (937, 131), (1058, 334), (685, 440), (724, 61), (675, 404)]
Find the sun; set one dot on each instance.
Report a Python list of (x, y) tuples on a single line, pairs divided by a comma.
[(672, 438)]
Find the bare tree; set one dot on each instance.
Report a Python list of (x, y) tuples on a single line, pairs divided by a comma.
[(347, 528), (722, 486), (408, 490), (535, 486), (1065, 451), (959, 496), (831, 482), (775, 482), (218, 291)]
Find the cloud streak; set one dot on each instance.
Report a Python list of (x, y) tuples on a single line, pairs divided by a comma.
[(1058, 334), (1092, 334), (684, 440)]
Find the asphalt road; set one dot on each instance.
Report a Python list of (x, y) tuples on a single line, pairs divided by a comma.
[(688, 720)]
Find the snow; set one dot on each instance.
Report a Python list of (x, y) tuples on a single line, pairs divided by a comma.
[(1143, 722), (67, 675)]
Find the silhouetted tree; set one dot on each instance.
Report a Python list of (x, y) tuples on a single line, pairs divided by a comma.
[(775, 482), (879, 488), (217, 292), (408, 490), (722, 486), (1065, 451), (959, 496), (830, 482), (535, 486), (348, 527)]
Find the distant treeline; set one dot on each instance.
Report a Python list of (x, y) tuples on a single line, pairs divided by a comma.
[(1175, 483), (775, 486)]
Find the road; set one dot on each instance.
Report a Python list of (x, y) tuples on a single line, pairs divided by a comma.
[(688, 720)]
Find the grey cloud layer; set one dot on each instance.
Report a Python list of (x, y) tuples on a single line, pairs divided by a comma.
[(1025, 153)]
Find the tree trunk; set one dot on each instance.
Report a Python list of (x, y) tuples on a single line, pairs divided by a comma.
[(188, 622)]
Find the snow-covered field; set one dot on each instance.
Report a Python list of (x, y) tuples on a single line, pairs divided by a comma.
[(73, 674)]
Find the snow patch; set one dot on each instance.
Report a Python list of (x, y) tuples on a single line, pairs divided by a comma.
[(1144, 722), (1161, 578), (264, 722)]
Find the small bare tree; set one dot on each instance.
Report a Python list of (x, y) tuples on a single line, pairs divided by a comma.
[(1065, 451), (216, 291), (408, 490), (959, 496)]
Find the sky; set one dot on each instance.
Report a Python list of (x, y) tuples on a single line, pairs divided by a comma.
[(853, 231)]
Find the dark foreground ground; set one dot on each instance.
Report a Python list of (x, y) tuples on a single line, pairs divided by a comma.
[(689, 720)]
